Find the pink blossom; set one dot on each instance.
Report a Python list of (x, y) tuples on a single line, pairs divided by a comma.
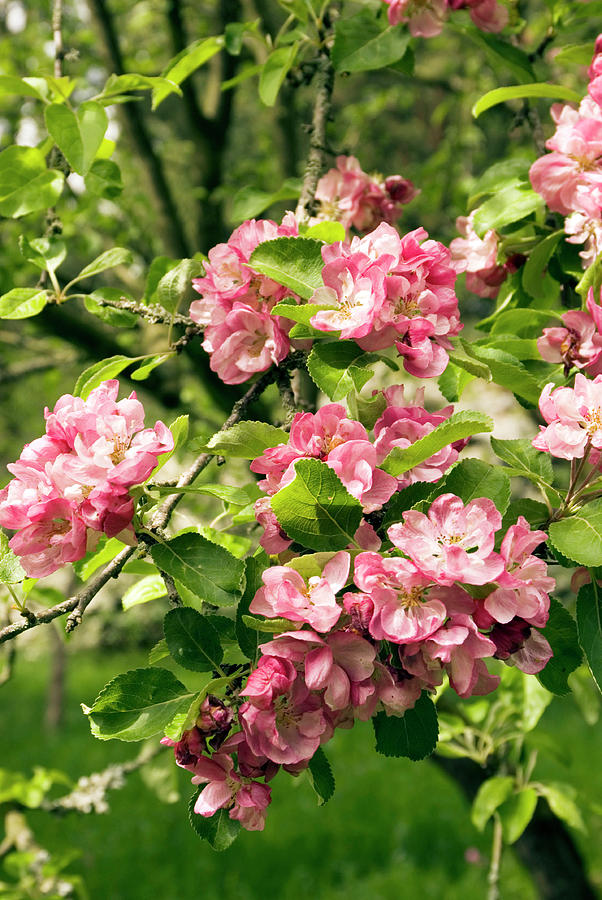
[(425, 17), (478, 258), (454, 542), (273, 540), (247, 800), (520, 645), (291, 729), (488, 15), (245, 342), (355, 287), (401, 425), (582, 229), (569, 177), (574, 417), (55, 536), (460, 647), (285, 593), (578, 343)]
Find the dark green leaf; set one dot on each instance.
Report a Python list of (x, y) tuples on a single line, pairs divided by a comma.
[(507, 371), (208, 571), (219, 830), (535, 266), (534, 512), (579, 537), (104, 179), (521, 454), (413, 735), (321, 776), (408, 498), (589, 625), (316, 509), (499, 51), (192, 640), (338, 367), (474, 478), (294, 262), (561, 634), (137, 705), (361, 44), (248, 638)]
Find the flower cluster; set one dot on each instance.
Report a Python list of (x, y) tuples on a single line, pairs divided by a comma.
[(426, 18), (350, 196), (574, 417), (478, 258), (345, 446), (372, 634), (570, 177), (578, 342), (240, 335), (383, 290), (72, 484)]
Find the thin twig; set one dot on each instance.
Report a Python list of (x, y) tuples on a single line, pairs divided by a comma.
[(316, 158), (493, 878), (57, 36), (156, 315)]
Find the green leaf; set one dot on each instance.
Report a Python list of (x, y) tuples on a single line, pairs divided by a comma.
[(293, 262), (26, 185), (209, 571), (329, 232), (94, 375), (499, 175), (459, 425), (104, 179), (521, 91), (219, 829), (510, 204), (245, 440), (414, 495), (474, 478), (524, 322), (360, 44), (454, 380), (338, 367), (150, 588), (158, 652), (192, 640), (321, 777), (366, 410), (250, 202), (491, 794), (118, 318), (535, 513), (25, 87), (268, 626), (522, 455), (301, 313), (137, 705), (248, 638), (176, 284), (579, 537), (507, 371), (184, 64), (10, 567), (561, 634), (179, 430), (110, 259), (539, 257), (580, 54), (22, 303), (316, 509), (78, 135), (591, 278), (143, 371), (274, 72), (561, 799), (45, 253), (413, 735), (499, 51), (516, 813), (589, 626), (117, 87), (536, 700), (239, 496)]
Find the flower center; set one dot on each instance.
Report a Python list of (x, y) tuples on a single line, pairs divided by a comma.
[(593, 421), (120, 445), (410, 599)]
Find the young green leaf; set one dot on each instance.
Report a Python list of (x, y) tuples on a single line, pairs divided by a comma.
[(192, 640), (579, 536), (10, 567), (413, 735), (110, 259), (361, 44), (507, 371), (26, 185), (562, 801), (321, 777), (250, 202), (137, 705), (274, 72), (118, 318), (22, 303), (338, 367), (95, 374), (245, 440), (104, 179), (512, 203), (315, 509), (150, 588), (294, 262), (106, 550), (589, 626), (176, 284), (459, 426), (535, 266), (491, 794), (208, 571), (45, 253), (78, 135), (516, 812), (522, 91), (561, 634)]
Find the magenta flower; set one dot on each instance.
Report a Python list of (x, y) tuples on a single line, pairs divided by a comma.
[(355, 286), (55, 536), (425, 18), (579, 343), (286, 594), (454, 542), (574, 417), (488, 15), (245, 342)]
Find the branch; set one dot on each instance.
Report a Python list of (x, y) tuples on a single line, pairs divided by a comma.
[(141, 137), (77, 604), (316, 159), (57, 37), (156, 315)]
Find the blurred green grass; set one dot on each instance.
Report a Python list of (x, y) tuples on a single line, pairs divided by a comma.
[(393, 830)]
